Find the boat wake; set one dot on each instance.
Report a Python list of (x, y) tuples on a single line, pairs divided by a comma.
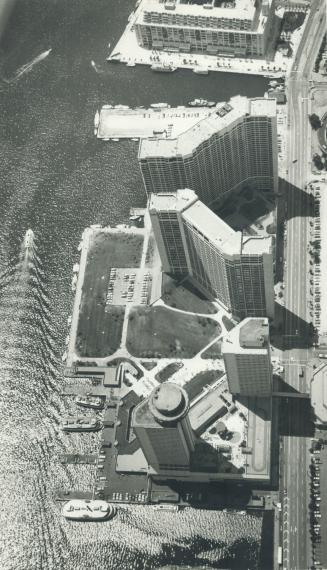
[(27, 67)]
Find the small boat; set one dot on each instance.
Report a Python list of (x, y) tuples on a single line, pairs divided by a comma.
[(198, 103), (201, 70), (211, 104), (171, 508), (130, 64), (160, 106), (29, 239), (107, 106), (163, 67), (115, 140), (122, 107), (81, 424), (134, 139), (273, 83), (88, 510), (89, 402), (96, 120)]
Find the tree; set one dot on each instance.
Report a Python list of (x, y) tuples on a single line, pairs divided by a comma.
[(318, 162), (315, 121)]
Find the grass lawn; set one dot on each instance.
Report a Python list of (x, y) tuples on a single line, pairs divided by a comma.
[(185, 296), (168, 371), (99, 331), (100, 327), (199, 381), (158, 332)]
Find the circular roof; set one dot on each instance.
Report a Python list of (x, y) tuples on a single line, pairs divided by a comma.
[(169, 402)]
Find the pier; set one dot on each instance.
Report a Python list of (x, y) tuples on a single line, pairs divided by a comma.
[(169, 122)]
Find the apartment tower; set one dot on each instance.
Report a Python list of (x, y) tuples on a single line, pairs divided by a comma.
[(192, 241), (162, 427), (246, 352), (232, 148)]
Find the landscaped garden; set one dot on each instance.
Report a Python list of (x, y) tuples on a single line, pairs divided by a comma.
[(200, 380), (159, 332), (168, 371), (180, 294)]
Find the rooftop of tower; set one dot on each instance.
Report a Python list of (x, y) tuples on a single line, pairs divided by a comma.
[(250, 335), (224, 115), (166, 404), (172, 201), (243, 9)]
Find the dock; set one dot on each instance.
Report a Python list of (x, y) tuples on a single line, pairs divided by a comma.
[(116, 124), (77, 459)]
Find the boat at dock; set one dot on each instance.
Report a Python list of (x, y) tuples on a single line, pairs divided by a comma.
[(96, 119), (170, 508), (88, 510), (81, 424), (122, 107), (130, 64), (89, 402), (201, 70), (163, 67), (160, 106), (199, 103)]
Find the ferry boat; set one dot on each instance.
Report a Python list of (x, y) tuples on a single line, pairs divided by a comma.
[(88, 510), (81, 424), (160, 106), (163, 67), (29, 239), (89, 402)]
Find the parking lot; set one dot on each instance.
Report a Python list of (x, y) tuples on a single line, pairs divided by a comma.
[(129, 285)]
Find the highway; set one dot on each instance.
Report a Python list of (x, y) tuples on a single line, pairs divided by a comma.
[(295, 456)]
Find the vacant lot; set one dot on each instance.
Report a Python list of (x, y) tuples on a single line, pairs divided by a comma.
[(160, 332), (198, 382), (184, 296), (100, 326)]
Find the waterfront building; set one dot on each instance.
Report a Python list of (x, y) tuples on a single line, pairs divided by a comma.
[(234, 147), (246, 352), (236, 270), (241, 28), (163, 429)]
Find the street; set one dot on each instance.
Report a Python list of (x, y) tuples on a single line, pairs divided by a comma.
[(295, 458)]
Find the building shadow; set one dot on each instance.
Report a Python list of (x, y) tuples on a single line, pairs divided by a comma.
[(279, 385), (259, 406), (296, 417), (295, 201), (290, 331)]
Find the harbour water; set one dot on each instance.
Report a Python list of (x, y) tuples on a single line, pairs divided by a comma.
[(56, 178)]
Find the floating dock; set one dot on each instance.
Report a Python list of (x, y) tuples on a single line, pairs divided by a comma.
[(116, 124)]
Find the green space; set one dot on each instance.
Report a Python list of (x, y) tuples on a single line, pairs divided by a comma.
[(100, 326), (159, 332), (214, 351), (149, 364), (168, 371), (181, 294), (200, 380), (99, 331)]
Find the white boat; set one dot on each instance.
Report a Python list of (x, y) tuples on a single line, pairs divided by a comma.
[(29, 239), (134, 139), (107, 106), (88, 510), (96, 119), (160, 106), (28, 66), (163, 67), (171, 508), (81, 424), (122, 107), (198, 103), (115, 140), (89, 402), (130, 64), (201, 70)]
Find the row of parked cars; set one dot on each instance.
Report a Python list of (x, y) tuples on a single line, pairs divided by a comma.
[(315, 306), (315, 504)]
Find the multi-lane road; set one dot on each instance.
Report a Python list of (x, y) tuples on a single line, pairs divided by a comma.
[(295, 459)]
